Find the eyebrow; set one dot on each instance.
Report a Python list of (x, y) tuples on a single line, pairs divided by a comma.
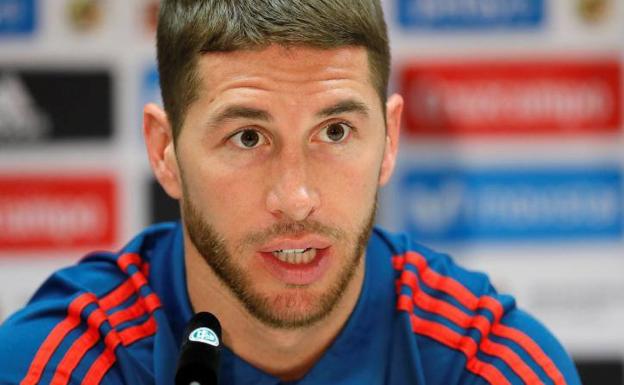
[(243, 112), (344, 106), (239, 112)]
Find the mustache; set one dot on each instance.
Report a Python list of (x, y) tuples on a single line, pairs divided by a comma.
[(293, 229)]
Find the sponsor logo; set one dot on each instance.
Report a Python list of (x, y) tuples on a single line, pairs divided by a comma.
[(204, 335), (464, 205), (503, 98), (17, 17), (474, 14), (41, 105), (594, 11), (21, 119), (85, 15), (55, 212)]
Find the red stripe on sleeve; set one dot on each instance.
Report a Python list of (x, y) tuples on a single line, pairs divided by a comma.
[(479, 322), (495, 307), (512, 359), (135, 333), (464, 296), (145, 269), (398, 262), (532, 348), (443, 308), (456, 341), (56, 336), (128, 336), (487, 371), (152, 302), (104, 362), (88, 339), (112, 340), (125, 290), (442, 283), (79, 348), (136, 310), (125, 260), (99, 368), (107, 358), (138, 279), (117, 296), (405, 303)]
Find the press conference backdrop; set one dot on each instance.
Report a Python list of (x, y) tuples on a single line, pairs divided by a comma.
[(511, 160)]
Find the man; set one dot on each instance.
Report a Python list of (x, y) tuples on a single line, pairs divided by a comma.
[(276, 135)]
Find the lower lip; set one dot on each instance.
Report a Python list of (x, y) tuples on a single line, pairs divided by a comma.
[(301, 274)]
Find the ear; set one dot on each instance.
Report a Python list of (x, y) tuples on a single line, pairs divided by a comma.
[(161, 150), (394, 108)]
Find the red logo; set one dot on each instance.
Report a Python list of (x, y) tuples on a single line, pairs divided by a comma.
[(48, 212), (510, 98)]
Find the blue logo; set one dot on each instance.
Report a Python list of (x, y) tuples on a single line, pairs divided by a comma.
[(17, 17), (492, 205), (473, 14)]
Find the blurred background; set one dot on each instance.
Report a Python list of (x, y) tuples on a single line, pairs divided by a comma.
[(511, 157)]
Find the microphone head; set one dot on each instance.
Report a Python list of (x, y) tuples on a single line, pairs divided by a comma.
[(199, 359)]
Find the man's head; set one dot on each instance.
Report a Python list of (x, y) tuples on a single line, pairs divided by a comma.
[(189, 28), (283, 141)]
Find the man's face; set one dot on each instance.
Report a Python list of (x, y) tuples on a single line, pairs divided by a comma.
[(280, 159)]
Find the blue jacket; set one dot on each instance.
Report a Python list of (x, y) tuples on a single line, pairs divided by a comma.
[(118, 318)]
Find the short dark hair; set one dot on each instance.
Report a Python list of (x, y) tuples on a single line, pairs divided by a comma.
[(188, 28)]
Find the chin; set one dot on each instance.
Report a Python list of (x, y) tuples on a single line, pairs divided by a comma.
[(292, 308)]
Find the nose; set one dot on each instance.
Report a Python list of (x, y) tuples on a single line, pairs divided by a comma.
[(291, 194)]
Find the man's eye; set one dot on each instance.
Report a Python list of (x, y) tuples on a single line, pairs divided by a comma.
[(248, 139), (335, 132)]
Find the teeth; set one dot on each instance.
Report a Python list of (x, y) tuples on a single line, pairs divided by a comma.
[(295, 256)]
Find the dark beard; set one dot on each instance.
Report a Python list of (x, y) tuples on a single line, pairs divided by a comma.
[(212, 248)]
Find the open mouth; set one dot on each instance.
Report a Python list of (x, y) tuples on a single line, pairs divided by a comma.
[(294, 265), (298, 260), (295, 256)]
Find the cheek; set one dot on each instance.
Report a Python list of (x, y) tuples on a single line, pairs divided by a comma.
[(349, 187), (224, 196)]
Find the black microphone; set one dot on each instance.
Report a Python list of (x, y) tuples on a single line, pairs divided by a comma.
[(199, 359)]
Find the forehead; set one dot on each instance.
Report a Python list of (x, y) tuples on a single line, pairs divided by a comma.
[(286, 69)]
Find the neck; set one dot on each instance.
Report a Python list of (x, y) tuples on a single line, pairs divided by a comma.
[(285, 353)]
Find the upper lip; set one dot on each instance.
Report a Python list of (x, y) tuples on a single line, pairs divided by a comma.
[(285, 243)]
